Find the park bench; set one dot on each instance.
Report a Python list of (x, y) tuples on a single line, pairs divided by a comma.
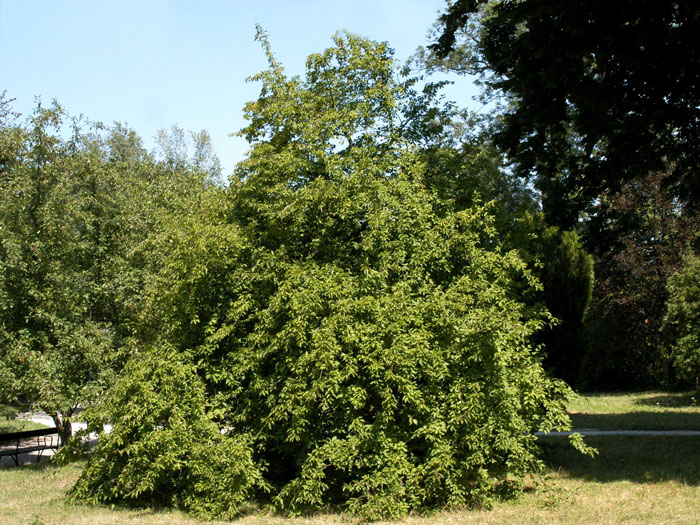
[(15, 443)]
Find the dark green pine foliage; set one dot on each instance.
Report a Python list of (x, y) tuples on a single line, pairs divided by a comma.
[(565, 270), (682, 321), (362, 338)]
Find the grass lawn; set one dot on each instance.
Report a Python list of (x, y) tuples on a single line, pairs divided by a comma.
[(17, 425), (634, 479), (8, 423), (638, 411)]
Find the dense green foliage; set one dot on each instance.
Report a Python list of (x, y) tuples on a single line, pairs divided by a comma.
[(359, 340), (59, 222), (597, 92), (75, 214), (465, 168), (164, 449), (639, 236), (565, 270), (682, 320)]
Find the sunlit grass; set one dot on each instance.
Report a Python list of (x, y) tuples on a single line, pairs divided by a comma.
[(8, 423), (637, 411), (18, 425), (634, 479)]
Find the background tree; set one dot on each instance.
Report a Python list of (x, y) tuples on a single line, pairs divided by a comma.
[(52, 346), (76, 214), (639, 237), (464, 167), (565, 270), (181, 150), (597, 92), (598, 107), (682, 321)]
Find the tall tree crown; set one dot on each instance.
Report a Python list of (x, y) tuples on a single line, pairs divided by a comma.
[(598, 92)]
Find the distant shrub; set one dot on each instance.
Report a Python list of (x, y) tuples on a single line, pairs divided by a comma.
[(682, 322)]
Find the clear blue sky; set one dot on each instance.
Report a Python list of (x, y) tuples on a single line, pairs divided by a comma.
[(153, 63)]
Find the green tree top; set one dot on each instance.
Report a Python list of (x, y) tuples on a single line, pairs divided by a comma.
[(598, 92)]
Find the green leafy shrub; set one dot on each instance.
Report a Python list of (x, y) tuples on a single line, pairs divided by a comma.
[(682, 322), (360, 341), (162, 448), (388, 376)]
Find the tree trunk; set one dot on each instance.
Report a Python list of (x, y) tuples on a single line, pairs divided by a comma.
[(64, 426)]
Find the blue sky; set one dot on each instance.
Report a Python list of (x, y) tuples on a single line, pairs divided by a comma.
[(153, 63)]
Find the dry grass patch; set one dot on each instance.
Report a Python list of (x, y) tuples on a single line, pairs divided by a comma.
[(628, 483), (635, 479)]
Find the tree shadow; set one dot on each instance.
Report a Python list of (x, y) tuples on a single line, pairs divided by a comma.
[(27, 462), (640, 459), (672, 399)]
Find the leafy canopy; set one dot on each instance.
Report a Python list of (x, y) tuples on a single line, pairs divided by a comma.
[(597, 92), (359, 340), (78, 202)]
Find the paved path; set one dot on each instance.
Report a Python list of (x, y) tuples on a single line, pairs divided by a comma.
[(44, 419)]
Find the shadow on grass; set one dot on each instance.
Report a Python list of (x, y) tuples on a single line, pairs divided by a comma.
[(641, 420), (28, 465), (675, 400), (640, 459)]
